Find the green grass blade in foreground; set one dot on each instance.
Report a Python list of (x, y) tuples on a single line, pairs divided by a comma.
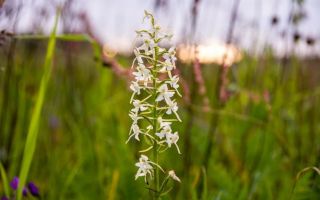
[(4, 180), (300, 174), (204, 194), (65, 37), (34, 124)]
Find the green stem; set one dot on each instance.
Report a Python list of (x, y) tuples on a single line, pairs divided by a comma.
[(155, 145)]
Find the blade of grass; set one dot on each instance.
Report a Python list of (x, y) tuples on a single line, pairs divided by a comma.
[(35, 119), (300, 174), (204, 194), (4, 180), (113, 187), (66, 37)]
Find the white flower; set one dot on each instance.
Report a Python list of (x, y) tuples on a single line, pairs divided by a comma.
[(168, 66), (161, 50), (172, 107), (163, 123), (138, 106), (164, 93), (170, 59), (173, 82), (134, 116), (135, 87), (165, 130), (148, 47), (170, 54), (136, 131), (145, 168), (144, 47), (172, 139), (143, 74), (173, 175), (138, 56)]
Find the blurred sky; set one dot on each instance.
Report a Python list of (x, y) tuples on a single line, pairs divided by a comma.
[(114, 21)]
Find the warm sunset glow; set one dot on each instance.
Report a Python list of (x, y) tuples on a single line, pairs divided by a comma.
[(107, 51), (213, 52)]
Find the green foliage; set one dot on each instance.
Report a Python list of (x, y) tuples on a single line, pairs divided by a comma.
[(32, 136), (4, 180), (267, 131)]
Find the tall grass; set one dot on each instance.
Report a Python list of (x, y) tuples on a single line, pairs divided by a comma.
[(267, 131), (33, 131), (4, 179)]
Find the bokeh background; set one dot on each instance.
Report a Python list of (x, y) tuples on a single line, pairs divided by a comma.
[(250, 107)]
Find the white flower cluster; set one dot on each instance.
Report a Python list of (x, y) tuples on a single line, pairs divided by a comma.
[(154, 88)]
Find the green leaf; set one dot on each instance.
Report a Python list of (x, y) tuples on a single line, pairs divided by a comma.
[(31, 140), (4, 180)]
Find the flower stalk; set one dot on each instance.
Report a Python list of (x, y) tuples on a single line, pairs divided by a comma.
[(154, 107)]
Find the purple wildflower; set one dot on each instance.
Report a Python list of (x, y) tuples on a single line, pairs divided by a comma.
[(25, 192), (4, 198), (33, 189), (14, 183)]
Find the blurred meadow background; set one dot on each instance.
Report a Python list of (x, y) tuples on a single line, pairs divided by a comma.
[(250, 106)]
